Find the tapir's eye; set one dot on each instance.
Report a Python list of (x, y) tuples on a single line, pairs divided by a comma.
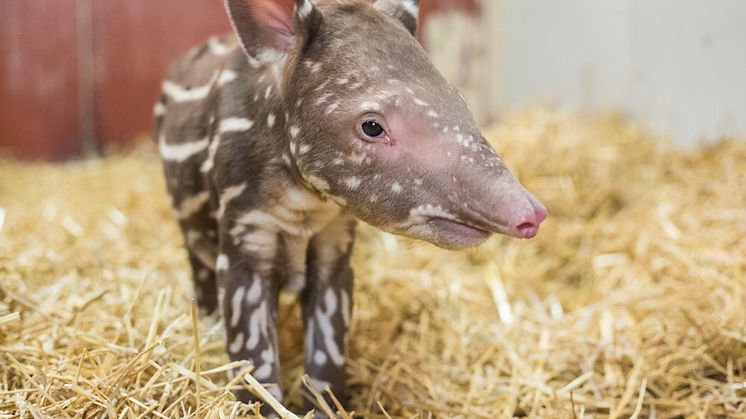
[(372, 129)]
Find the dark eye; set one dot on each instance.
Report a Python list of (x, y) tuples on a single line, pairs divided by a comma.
[(372, 129)]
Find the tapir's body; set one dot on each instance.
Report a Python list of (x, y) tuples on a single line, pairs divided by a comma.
[(275, 141), (226, 162)]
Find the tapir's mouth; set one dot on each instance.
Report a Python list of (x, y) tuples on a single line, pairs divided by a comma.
[(462, 232)]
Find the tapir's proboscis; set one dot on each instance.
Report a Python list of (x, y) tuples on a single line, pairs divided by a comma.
[(276, 139)]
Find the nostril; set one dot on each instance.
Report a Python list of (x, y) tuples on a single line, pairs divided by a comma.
[(528, 230)]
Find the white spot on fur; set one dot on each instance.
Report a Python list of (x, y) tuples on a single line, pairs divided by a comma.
[(422, 213), (263, 372), (236, 305), (191, 205), (432, 114), (268, 354), (356, 157), (327, 329), (323, 98), (255, 291), (212, 150), (268, 92), (342, 82), (333, 107), (230, 193), (396, 187), (180, 152), (371, 106), (219, 48), (236, 344), (257, 326), (303, 149), (352, 182), (222, 263), (180, 94), (319, 357), (294, 131), (411, 7), (271, 120), (420, 102), (234, 125), (305, 10)]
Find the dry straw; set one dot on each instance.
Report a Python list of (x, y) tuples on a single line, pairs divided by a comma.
[(630, 303)]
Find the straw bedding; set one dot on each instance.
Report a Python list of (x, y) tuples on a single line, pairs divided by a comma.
[(630, 303)]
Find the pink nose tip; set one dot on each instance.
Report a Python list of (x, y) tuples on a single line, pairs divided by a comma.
[(530, 227)]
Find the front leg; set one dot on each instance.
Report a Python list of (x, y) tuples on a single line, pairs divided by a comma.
[(249, 295), (327, 306)]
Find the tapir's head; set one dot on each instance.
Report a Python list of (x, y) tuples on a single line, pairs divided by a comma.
[(374, 126)]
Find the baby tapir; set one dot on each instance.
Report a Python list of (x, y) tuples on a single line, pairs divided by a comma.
[(276, 140)]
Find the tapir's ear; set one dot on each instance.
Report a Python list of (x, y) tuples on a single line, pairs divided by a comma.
[(407, 11), (268, 29)]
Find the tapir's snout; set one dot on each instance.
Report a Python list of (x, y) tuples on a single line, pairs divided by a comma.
[(503, 207), (528, 224)]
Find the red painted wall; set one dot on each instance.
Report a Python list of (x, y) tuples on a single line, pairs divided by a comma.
[(38, 79), (131, 42), (135, 42)]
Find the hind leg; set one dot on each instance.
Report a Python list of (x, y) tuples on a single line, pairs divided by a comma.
[(202, 247), (205, 285)]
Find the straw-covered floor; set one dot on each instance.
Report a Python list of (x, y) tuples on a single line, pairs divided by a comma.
[(630, 303)]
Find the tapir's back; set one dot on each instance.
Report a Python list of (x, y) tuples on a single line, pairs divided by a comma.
[(209, 93), (205, 97)]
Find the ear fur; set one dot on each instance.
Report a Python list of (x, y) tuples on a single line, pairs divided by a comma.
[(269, 29), (407, 11)]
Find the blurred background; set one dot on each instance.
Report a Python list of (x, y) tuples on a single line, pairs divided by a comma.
[(78, 77)]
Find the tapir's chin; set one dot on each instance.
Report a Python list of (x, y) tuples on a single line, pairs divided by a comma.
[(447, 234), (455, 235)]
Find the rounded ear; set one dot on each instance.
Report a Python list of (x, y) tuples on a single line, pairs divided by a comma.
[(407, 11), (268, 29)]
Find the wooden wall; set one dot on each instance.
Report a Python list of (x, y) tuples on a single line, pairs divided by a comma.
[(38, 73), (81, 76)]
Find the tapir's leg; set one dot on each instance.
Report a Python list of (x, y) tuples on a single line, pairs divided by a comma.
[(201, 241), (249, 296), (327, 306), (205, 285)]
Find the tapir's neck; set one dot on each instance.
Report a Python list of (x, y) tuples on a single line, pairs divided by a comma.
[(277, 122)]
